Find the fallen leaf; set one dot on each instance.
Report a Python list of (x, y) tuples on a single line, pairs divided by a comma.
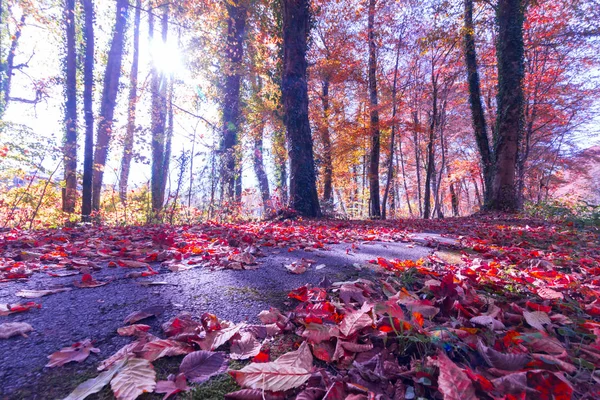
[(32, 294), (9, 329), (270, 376), (148, 312), (76, 352), (136, 377), (245, 347), (452, 381), (200, 366), (537, 319), (172, 386), (96, 384)]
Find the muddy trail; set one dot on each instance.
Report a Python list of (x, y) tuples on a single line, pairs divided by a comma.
[(235, 293)]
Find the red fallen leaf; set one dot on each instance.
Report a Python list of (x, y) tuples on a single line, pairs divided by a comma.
[(210, 322), (6, 309), (88, 282), (300, 294), (323, 351), (76, 352), (549, 385), (132, 264), (537, 307), (254, 394), (261, 357), (132, 330), (112, 264), (452, 381), (482, 382), (143, 314), (418, 318), (172, 386)]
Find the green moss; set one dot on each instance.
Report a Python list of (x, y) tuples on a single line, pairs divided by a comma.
[(215, 389)]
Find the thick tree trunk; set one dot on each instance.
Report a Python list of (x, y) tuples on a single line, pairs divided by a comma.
[(510, 15), (430, 153), (158, 119), (88, 110), (303, 189), (259, 169), (374, 206), (326, 139), (390, 172), (236, 27), (109, 99), (477, 112), (69, 195), (131, 110)]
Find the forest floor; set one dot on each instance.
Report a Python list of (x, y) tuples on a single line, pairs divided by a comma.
[(472, 307)]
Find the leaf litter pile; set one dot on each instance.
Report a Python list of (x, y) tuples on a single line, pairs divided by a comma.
[(516, 318)]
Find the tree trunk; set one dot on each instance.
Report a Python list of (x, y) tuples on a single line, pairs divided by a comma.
[(326, 139), (410, 211), (70, 144), (279, 153), (510, 15), (259, 169), (10, 63), (390, 171), (109, 99), (430, 153), (236, 26), (168, 137), (88, 110), (303, 189), (477, 113), (374, 206), (158, 119), (133, 98)]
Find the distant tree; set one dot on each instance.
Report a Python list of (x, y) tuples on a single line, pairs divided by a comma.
[(375, 135), (303, 188), (234, 52), (88, 109), (108, 102), (131, 110), (70, 144), (477, 113)]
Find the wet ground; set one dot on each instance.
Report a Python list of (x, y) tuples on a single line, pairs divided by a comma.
[(96, 313)]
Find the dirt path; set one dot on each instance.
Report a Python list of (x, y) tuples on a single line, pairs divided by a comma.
[(96, 313)]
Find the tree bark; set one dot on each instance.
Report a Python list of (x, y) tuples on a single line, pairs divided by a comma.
[(69, 195), (88, 109), (236, 27), (326, 139), (374, 206), (477, 112), (109, 99), (168, 137), (131, 110), (10, 63), (390, 172), (303, 189), (430, 153), (259, 169), (510, 15), (158, 119)]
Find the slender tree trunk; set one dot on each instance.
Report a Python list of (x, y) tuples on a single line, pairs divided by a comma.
[(326, 139), (410, 211), (510, 15), (303, 189), (454, 200), (10, 63), (109, 99), (236, 27), (477, 112), (70, 145), (374, 206), (158, 119), (88, 110), (168, 138), (131, 111), (279, 152), (390, 171), (259, 169)]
